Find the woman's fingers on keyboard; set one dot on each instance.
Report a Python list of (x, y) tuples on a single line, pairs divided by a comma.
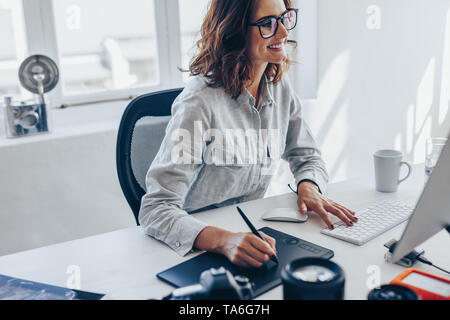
[(340, 214), (348, 213), (320, 210)]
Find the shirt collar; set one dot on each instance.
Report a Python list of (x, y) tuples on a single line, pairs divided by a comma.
[(266, 97)]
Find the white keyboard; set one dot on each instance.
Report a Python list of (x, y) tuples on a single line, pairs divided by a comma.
[(372, 221)]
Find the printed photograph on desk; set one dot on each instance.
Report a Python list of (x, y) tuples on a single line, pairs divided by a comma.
[(19, 289), (225, 158)]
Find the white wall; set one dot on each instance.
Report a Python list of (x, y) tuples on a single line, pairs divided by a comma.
[(63, 186), (382, 88), (386, 88)]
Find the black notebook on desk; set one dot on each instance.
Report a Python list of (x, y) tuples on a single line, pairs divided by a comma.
[(264, 279)]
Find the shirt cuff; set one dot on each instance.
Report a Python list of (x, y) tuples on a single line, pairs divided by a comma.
[(184, 232), (313, 177)]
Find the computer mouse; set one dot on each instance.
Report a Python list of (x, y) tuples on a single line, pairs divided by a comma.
[(284, 215)]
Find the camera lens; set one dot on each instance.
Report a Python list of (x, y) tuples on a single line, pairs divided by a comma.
[(29, 120), (392, 292), (313, 273), (313, 279)]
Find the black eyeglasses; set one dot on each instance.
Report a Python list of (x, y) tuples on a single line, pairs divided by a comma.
[(268, 26)]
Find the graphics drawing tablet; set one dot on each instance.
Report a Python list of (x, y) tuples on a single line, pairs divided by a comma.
[(264, 279)]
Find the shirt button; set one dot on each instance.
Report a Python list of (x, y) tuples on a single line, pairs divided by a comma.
[(178, 244)]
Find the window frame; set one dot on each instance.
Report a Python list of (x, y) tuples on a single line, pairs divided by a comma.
[(40, 37)]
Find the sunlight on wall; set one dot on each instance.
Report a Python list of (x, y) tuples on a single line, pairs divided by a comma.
[(398, 145), (422, 130), (331, 87), (335, 145), (410, 129), (419, 148), (425, 95), (445, 82)]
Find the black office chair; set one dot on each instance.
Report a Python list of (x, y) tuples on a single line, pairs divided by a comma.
[(141, 131)]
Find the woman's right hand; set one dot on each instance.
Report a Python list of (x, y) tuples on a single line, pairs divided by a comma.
[(247, 250), (242, 249)]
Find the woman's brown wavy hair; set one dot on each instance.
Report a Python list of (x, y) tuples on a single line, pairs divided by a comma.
[(223, 58)]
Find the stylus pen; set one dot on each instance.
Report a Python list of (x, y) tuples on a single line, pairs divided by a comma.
[(255, 232)]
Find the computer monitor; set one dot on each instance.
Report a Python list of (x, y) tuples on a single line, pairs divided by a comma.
[(432, 211)]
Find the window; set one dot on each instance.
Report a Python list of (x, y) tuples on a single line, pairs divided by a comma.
[(111, 49), (12, 45), (192, 13), (106, 44)]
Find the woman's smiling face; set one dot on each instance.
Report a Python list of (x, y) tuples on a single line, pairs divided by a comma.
[(272, 50)]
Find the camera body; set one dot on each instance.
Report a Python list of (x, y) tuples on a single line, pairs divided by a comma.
[(24, 118), (215, 284), (39, 75)]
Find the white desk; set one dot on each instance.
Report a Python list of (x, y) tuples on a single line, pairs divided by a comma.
[(123, 264)]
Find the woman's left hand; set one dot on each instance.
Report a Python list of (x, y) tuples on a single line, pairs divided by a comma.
[(309, 198)]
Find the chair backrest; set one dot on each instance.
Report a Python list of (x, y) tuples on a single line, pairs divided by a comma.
[(141, 132)]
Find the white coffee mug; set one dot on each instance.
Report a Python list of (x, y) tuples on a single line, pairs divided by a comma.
[(387, 170)]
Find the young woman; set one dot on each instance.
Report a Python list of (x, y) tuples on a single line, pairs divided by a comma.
[(238, 83)]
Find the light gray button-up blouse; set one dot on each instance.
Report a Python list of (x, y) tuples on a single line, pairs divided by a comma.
[(220, 151)]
